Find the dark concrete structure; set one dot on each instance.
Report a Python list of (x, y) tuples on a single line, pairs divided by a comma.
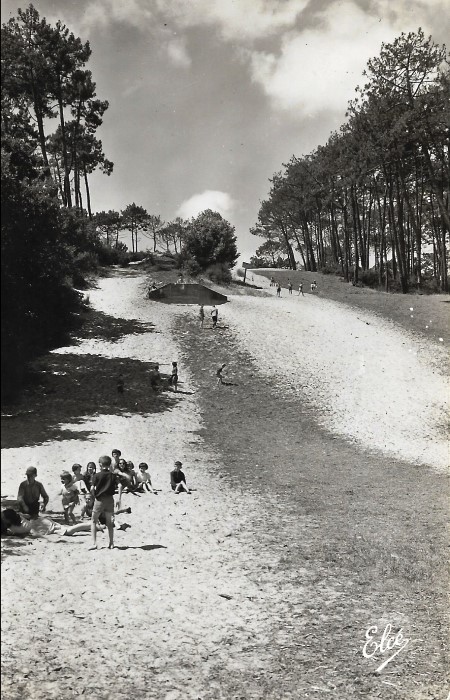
[(183, 293)]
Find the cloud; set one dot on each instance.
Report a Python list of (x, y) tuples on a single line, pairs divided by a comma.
[(177, 52), (209, 199), (319, 68), (234, 19), (136, 13), (238, 19)]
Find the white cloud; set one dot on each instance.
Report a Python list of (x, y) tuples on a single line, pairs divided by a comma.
[(137, 13), (209, 199), (177, 52), (318, 69), (235, 19)]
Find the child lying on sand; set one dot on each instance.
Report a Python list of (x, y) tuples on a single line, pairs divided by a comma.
[(13, 523)]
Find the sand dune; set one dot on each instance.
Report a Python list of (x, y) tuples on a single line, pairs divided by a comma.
[(364, 378)]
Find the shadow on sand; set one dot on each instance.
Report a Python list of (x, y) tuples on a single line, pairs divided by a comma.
[(67, 388), (96, 324), (144, 547)]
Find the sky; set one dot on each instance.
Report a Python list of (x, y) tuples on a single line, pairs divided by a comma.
[(208, 98)]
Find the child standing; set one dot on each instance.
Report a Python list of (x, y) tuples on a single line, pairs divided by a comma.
[(70, 496), (300, 289), (214, 315), (174, 375), (201, 315)]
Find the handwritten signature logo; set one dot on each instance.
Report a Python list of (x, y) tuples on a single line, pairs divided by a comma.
[(388, 643)]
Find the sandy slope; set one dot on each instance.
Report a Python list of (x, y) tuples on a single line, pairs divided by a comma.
[(366, 379), (61, 602), (150, 615)]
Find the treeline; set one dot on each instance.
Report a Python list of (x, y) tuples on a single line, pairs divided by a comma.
[(205, 244), (136, 222), (48, 241), (372, 204)]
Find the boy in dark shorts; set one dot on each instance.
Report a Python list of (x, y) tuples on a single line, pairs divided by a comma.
[(30, 491), (104, 485)]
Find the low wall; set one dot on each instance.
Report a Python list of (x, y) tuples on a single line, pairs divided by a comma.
[(187, 294)]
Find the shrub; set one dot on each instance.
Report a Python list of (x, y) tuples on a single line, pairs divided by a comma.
[(369, 278), (331, 269), (219, 273)]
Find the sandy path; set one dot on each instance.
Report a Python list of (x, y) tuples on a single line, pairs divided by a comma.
[(148, 620), (163, 583), (365, 379)]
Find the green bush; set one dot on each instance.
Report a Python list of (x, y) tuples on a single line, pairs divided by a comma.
[(219, 273)]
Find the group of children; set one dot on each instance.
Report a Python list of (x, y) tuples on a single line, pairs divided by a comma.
[(214, 315), (92, 490), (156, 381), (273, 283)]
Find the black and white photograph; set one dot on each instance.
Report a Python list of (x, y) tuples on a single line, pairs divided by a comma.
[(225, 350)]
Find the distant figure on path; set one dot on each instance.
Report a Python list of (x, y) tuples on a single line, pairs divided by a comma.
[(173, 381), (278, 290), (313, 286), (201, 315), (178, 479), (290, 287), (155, 378), (219, 374), (30, 491), (300, 289), (214, 315)]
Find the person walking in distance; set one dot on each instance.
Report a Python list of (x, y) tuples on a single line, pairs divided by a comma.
[(278, 290), (300, 289), (290, 287), (219, 374), (174, 376), (201, 315), (214, 315)]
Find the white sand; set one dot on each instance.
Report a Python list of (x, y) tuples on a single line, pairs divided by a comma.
[(65, 608), (366, 379)]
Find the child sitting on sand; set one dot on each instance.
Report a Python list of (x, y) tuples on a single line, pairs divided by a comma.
[(219, 374), (30, 491), (70, 497), (143, 478), (178, 479)]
